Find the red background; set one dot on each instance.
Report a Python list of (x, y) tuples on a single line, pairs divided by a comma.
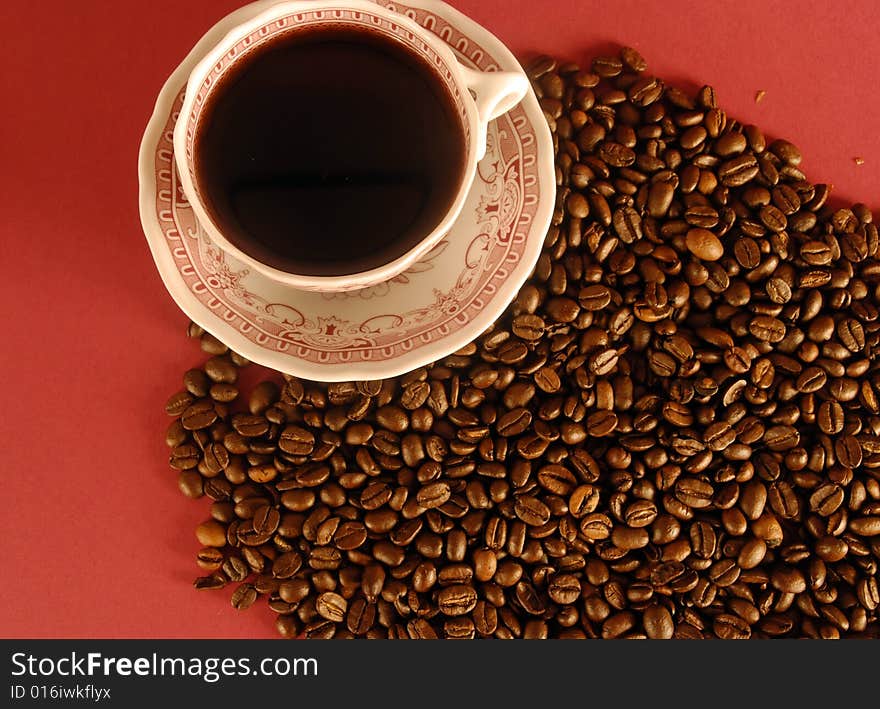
[(95, 539)]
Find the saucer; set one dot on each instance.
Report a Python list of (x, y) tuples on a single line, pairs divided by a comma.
[(440, 304)]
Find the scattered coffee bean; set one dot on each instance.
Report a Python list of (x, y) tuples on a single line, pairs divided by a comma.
[(331, 606), (244, 596), (703, 244), (673, 432)]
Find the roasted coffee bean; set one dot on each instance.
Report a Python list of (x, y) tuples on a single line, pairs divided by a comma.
[(244, 596), (562, 310), (602, 423), (178, 403), (286, 565), (199, 415), (547, 380), (557, 479), (658, 622), (632, 59), (197, 383), (767, 328), (584, 500), (393, 418), (719, 436), (703, 244), (866, 526), (350, 535), (595, 526), (209, 558), (223, 393), (319, 630), (778, 290), (640, 513), (249, 425), (532, 511), (235, 569), (176, 434), (788, 579), (731, 143), (731, 627), (184, 456), (780, 438), (660, 195), (266, 520), (331, 606), (415, 395), (629, 537), (752, 554), (738, 171), (514, 422), (434, 495), (703, 539), (670, 433), (564, 589), (607, 66), (485, 616), (785, 151), (296, 440), (851, 334), (694, 492), (456, 600), (211, 582), (361, 616), (594, 297), (211, 534)]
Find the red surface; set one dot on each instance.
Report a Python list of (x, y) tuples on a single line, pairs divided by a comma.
[(95, 539)]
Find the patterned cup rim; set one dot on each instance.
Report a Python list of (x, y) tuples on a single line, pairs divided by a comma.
[(291, 17), (191, 283)]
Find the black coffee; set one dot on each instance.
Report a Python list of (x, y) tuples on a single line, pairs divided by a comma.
[(329, 152)]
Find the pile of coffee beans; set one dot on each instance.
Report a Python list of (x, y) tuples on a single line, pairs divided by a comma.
[(674, 431)]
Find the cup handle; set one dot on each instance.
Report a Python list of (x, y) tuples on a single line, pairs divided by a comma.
[(495, 93)]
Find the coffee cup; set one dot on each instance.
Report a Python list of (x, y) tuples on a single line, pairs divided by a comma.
[(331, 145)]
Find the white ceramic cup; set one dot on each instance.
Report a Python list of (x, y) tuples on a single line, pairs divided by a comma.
[(479, 97)]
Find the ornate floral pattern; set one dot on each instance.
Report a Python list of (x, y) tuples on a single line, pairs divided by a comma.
[(381, 289)]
